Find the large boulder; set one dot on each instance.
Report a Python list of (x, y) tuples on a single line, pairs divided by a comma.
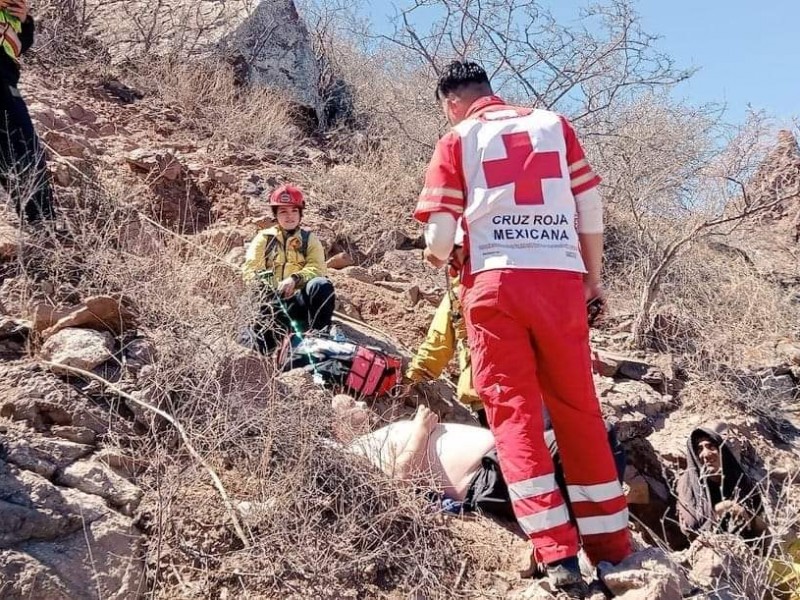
[(272, 47)]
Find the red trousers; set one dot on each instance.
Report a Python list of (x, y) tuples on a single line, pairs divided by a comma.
[(529, 341)]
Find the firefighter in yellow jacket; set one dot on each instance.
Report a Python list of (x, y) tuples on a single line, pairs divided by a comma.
[(288, 265), (447, 335)]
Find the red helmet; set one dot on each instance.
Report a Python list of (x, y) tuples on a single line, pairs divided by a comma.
[(287, 195)]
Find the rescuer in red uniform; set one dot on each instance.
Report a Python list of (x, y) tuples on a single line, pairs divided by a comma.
[(520, 181)]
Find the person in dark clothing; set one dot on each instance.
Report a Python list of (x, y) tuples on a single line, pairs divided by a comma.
[(714, 493), (23, 165)]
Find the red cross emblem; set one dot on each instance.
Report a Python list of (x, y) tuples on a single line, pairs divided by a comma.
[(523, 167)]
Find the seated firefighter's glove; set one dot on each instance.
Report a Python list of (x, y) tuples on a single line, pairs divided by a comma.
[(287, 287)]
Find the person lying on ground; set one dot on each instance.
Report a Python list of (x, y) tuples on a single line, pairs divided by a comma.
[(714, 493), (456, 462), (288, 264)]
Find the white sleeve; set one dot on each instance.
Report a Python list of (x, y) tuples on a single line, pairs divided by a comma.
[(440, 234), (589, 207)]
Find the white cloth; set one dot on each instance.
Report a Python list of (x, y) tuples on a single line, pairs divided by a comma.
[(590, 212), (440, 234)]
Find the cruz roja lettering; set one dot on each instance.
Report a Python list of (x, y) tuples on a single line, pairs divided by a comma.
[(531, 234), (546, 220)]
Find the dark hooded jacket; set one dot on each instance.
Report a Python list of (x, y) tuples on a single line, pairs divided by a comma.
[(697, 496)]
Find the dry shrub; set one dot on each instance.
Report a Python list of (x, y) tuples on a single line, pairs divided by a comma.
[(321, 523), (210, 101), (326, 523), (728, 313), (371, 196)]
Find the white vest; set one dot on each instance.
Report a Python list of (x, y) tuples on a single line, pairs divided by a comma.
[(520, 211)]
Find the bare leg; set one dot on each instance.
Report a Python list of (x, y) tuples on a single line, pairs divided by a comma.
[(410, 457)]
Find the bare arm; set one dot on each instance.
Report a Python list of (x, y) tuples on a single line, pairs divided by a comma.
[(592, 253)]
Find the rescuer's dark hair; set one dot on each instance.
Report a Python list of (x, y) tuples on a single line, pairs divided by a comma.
[(462, 74)]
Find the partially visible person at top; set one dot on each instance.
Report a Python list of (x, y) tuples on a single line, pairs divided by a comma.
[(23, 165), (287, 262), (520, 180)]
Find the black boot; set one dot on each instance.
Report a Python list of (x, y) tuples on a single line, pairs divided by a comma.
[(565, 576)]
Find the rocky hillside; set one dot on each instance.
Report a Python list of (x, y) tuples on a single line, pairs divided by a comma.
[(143, 453)]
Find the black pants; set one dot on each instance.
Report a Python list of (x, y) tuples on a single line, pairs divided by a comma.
[(23, 166), (310, 308), (489, 492)]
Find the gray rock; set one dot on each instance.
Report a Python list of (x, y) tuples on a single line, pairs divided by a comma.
[(274, 47), (102, 560), (23, 577), (723, 563), (43, 455), (79, 435), (95, 478), (33, 508), (646, 575), (392, 239), (139, 353), (359, 274), (80, 348), (121, 463)]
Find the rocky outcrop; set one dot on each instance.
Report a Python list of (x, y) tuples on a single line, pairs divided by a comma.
[(272, 48), (57, 542), (65, 519), (779, 175)]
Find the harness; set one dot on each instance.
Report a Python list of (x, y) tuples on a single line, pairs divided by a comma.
[(305, 236)]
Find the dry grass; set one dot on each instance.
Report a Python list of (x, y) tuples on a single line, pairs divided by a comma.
[(721, 310), (326, 524), (210, 103)]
